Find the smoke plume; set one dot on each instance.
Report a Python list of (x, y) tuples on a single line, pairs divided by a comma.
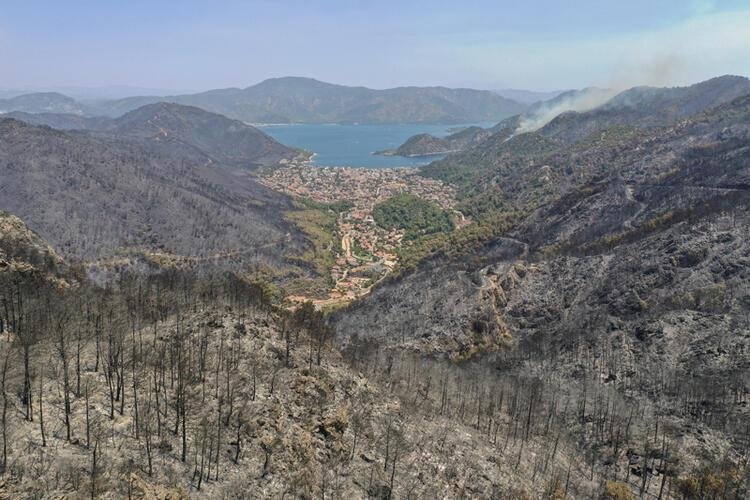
[(575, 100)]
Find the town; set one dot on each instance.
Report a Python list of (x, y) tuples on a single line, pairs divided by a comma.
[(368, 252)]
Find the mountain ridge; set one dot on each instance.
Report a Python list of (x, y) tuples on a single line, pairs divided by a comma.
[(573, 114), (306, 100), (656, 108)]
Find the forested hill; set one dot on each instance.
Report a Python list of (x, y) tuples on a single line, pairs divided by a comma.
[(428, 145)]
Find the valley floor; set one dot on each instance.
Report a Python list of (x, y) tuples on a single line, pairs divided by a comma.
[(366, 252)]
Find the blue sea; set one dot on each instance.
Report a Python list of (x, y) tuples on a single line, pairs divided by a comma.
[(340, 145)]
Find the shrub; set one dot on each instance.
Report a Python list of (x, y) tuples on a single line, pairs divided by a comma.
[(614, 490)]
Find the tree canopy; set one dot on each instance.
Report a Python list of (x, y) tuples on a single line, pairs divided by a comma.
[(415, 215)]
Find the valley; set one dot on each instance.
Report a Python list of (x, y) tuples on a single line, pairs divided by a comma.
[(191, 308)]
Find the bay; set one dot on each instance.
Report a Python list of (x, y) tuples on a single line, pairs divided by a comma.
[(351, 145)]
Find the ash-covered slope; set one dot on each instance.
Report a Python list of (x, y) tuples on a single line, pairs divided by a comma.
[(91, 196), (266, 407), (618, 188), (227, 141), (174, 126), (21, 248), (645, 107), (508, 153), (573, 115), (632, 275)]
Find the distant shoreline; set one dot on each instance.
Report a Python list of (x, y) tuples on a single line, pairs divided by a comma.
[(392, 152)]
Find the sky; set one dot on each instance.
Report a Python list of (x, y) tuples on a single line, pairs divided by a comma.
[(538, 45)]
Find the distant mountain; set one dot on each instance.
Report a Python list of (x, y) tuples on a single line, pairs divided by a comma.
[(9, 93), (300, 100), (87, 94), (230, 142), (43, 102), (61, 121), (112, 92), (91, 196), (527, 97), (305, 100)]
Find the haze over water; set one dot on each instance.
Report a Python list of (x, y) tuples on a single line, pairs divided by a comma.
[(346, 145)]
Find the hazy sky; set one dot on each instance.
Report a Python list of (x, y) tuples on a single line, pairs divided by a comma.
[(544, 45)]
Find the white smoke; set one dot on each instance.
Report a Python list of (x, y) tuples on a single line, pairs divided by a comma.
[(656, 71), (581, 100)]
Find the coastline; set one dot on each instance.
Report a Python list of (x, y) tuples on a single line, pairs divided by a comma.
[(393, 152), (357, 146)]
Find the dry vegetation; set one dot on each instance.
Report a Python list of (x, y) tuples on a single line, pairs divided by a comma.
[(181, 386)]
